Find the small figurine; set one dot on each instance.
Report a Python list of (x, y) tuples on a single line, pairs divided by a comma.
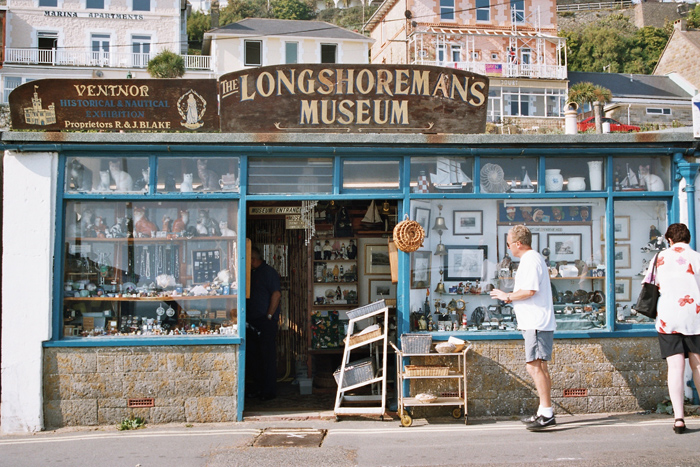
[(327, 250), (317, 250), (352, 250), (80, 176)]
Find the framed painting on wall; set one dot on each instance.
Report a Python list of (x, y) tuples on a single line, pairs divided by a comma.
[(381, 289), (468, 222), (377, 259), (420, 269), (564, 247), (465, 262)]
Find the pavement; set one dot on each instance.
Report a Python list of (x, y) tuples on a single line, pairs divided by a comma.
[(310, 439)]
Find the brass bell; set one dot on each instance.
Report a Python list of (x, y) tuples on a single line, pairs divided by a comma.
[(440, 250), (440, 287), (440, 224)]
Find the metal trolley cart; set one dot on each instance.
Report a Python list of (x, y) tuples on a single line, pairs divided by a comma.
[(407, 372)]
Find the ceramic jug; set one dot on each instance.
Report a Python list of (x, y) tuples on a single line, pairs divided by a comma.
[(553, 181)]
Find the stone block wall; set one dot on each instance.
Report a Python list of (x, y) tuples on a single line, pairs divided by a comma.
[(91, 386), (618, 375)]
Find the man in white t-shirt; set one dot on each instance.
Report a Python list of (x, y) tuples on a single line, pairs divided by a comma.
[(534, 310)]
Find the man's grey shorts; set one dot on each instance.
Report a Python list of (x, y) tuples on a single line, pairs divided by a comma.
[(538, 345)]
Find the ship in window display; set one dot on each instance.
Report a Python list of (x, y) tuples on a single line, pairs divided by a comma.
[(449, 175)]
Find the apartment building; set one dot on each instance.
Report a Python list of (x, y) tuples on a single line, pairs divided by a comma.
[(515, 43)]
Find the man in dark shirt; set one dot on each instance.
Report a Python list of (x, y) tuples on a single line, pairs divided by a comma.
[(263, 310)]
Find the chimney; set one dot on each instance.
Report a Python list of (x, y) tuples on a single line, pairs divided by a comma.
[(214, 14), (680, 25), (570, 123)]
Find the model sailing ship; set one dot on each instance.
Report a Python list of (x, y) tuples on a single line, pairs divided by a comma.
[(630, 182), (525, 185), (449, 175)]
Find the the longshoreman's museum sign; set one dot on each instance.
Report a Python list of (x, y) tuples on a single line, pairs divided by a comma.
[(283, 98)]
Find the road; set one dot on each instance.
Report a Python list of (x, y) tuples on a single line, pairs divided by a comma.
[(591, 440)]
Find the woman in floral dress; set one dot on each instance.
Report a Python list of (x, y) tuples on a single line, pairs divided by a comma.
[(678, 320)]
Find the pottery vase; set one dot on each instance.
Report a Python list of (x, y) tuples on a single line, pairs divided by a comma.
[(553, 181), (576, 184), (595, 175)]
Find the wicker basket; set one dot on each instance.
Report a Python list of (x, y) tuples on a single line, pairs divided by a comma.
[(358, 338), (365, 310), (416, 343), (356, 372), (418, 370)]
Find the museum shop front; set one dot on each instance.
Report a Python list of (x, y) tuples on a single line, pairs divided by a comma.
[(124, 268)]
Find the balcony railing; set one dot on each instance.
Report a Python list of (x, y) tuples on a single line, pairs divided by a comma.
[(58, 57), (504, 70)]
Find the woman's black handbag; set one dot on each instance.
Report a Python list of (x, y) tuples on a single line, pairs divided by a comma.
[(649, 296)]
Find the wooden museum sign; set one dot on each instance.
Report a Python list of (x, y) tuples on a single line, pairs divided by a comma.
[(115, 105), (297, 98)]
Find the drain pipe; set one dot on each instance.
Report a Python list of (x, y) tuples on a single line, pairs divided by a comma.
[(570, 114)]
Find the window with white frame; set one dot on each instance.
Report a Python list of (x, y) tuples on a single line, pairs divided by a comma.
[(494, 56), (253, 53), (447, 10), (475, 55), (10, 83), (48, 3), (517, 9), (440, 53), (95, 4), (658, 111), (142, 5), (329, 53), (99, 44), (456, 53), (291, 52), (141, 50), (483, 10)]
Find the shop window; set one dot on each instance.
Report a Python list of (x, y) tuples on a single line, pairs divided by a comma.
[(107, 175), (508, 175), (638, 230), (290, 175), (370, 175), (465, 255), (642, 173), (147, 268), (253, 53), (187, 174), (574, 174), (442, 175)]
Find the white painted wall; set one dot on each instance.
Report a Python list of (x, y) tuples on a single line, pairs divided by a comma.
[(28, 249)]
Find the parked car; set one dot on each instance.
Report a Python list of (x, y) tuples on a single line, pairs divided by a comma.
[(589, 124)]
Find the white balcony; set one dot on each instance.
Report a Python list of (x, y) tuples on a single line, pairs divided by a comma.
[(504, 70), (88, 58)]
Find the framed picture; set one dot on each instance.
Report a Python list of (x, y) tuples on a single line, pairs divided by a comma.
[(422, 216), (621, 225), (380, 289), (535, 245), (622, 256), (377, 260), (206, 264), (623, 289), (564, 247), (420, 269), (465, 263), (468, 222)]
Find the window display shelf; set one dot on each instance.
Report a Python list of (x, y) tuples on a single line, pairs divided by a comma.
[(335, 283), (335, 305), (151, 299), (148, 239)]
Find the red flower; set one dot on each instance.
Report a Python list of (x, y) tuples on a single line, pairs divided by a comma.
[(662, 323), (690, 269), (685, 301), (678, 249), (659, 261), (697, 309)]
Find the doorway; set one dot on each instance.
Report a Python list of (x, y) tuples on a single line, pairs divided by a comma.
[(305, 367)]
